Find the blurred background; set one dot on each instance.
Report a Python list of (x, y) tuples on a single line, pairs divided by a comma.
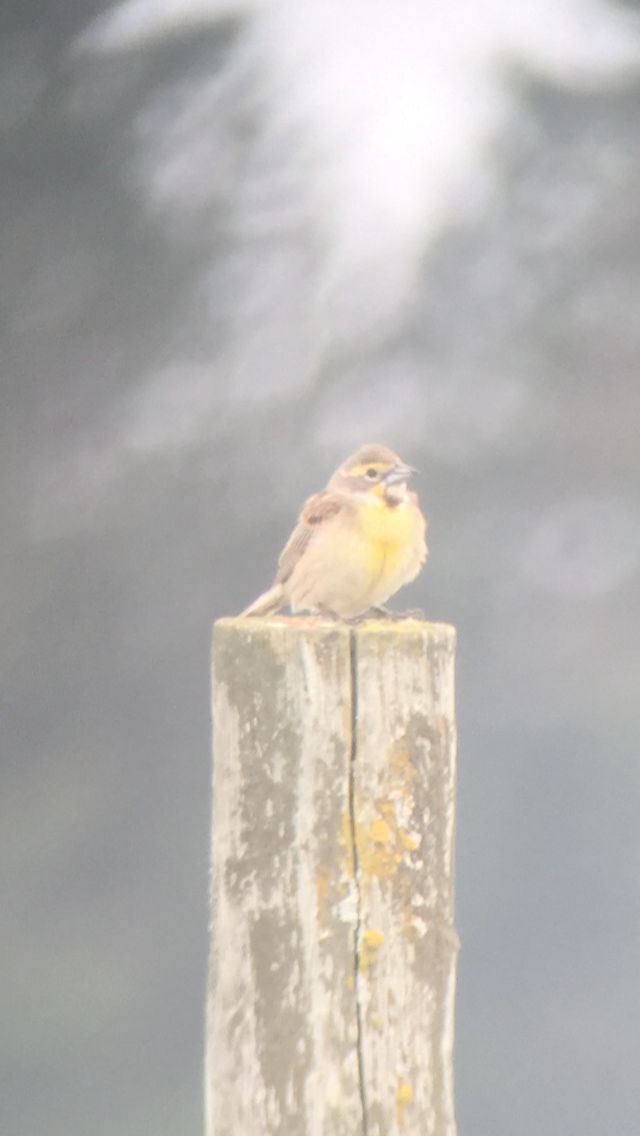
[(239, 239)]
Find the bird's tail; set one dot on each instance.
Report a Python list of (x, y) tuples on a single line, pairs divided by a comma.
[(268, 603)]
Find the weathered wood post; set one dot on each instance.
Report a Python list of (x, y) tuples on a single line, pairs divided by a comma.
[(333, 950)]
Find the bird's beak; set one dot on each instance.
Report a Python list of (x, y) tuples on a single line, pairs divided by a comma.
[(399, 472)]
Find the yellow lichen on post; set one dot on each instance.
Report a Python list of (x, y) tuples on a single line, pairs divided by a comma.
[(370, 943), (404, 794), (404, 1097)]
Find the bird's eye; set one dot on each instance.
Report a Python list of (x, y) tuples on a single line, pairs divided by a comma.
[(371, 473)]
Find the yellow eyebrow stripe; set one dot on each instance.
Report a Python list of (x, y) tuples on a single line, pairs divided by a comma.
[(360, 470)]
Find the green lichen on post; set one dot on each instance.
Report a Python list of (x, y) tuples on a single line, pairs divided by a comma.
[(282, 931)]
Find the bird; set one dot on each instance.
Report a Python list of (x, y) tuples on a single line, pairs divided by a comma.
[(356, 542)]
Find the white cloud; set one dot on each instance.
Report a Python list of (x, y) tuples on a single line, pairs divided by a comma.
[(388, 109), (337, 139)]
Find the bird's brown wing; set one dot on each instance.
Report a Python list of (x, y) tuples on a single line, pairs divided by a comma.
[(316, 512)]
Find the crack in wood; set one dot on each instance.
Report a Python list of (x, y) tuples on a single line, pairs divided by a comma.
[(353, 646)]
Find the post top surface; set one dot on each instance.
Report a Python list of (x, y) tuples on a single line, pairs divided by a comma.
[(395, 628)]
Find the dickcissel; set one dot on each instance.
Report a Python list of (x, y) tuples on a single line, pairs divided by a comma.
[(355, 544)]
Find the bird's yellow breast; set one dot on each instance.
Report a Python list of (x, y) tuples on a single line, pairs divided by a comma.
[(389, 532)]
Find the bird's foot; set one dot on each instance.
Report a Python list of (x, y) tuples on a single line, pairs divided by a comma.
[(371, 613), (351, 621), (395, 616), (327, 613)]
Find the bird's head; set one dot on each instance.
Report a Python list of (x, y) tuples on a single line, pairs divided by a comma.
[(374, 469)]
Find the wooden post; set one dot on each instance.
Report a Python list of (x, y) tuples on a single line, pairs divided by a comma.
[(333, 951)]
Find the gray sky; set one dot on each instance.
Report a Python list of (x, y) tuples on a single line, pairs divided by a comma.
[(236, 244)]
